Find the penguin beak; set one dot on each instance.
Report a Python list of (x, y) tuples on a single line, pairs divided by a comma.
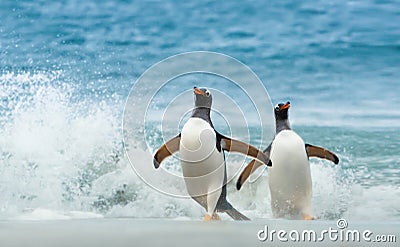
[(285, 106), (198, 91)]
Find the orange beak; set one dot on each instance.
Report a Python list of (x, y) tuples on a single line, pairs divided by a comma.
[(198, 91), (285, 106)]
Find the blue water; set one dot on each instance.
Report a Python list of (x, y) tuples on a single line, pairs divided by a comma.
[(66, 68)]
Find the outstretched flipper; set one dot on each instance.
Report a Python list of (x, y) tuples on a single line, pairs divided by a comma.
[(251, 167), (314, 151), (232, 145), (170, 147)]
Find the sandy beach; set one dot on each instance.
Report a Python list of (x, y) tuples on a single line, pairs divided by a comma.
[(164, 232)]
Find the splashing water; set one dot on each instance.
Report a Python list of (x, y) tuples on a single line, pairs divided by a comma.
[(62, 157)]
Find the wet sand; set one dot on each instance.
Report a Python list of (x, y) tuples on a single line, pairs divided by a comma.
[(166, 232)]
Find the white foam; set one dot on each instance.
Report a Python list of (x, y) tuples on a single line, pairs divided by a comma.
[(374, 203), (50, 142)]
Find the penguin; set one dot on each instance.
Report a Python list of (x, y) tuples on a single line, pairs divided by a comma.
[(290, 180), (202, 158)]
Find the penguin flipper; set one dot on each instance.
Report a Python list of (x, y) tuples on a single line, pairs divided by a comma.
[(170, 147), (232, 145), (250, 168), (315, 151)]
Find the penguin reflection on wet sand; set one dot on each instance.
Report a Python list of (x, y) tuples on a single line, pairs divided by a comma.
[(289, 178), (202, 158)]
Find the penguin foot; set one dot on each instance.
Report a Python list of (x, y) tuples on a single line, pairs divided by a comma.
[(207, 217), (215, 217), (308, 217)]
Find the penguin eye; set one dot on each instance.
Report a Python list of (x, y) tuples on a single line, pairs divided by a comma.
[(207, 93), (277, 108)]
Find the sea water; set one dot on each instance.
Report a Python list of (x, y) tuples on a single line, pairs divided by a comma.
[(66, 69)]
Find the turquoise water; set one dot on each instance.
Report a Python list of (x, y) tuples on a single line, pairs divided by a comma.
[(66, 68)]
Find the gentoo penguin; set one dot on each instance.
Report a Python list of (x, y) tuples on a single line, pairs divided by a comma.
[(202, 158), (290, 181)]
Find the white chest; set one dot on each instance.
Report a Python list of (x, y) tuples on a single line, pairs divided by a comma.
[(202, 164), (290, 167), (289, 177), (288, 146), (196, 134)]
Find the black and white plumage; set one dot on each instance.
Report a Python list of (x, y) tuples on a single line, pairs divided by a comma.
[(290, 180), (202, 157)]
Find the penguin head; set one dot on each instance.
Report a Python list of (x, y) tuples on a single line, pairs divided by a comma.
[(281, 111), (202, 97)]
